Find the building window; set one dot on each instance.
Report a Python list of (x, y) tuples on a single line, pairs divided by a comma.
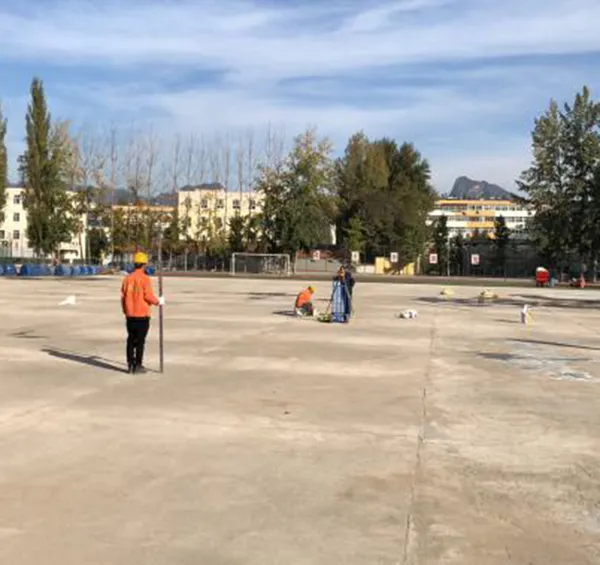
[(204, 204), (252, 204), (16, 217), (1, 234), (236, 204), (16, 234), (17, 199), (220, 203)]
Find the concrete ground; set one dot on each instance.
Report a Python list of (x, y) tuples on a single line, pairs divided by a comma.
[(461, 437)]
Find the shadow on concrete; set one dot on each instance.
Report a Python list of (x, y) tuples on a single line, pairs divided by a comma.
[(287, 313), (555, 344), (557, 302), (516, 300), (89, 360), (527, 357), (26, 335), (264, 295)]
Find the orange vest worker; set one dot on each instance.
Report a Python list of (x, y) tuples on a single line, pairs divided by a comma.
[(137, 295), (305, 297)]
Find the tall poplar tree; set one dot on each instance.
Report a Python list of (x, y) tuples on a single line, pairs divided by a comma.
[(3, 165), (49, 209)]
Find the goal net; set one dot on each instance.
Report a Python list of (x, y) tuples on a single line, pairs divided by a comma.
[(277, 264)]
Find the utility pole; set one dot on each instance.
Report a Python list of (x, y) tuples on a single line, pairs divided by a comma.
[(161, 308)]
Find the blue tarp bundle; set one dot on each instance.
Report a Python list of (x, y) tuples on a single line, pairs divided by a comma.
[(8, 270), (63, 271)]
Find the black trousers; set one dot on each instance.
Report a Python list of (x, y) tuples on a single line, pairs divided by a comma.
[(137, 331)]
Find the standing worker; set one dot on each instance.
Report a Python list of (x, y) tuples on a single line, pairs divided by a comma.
[(136, 298)]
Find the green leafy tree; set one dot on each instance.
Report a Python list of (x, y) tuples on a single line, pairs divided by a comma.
[(3, 165), (501, 243), (236, 235), (98, 244), (441, 243), (297, 207), (49, 206)]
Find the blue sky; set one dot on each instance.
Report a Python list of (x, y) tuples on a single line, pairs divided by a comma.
[(462, 79)]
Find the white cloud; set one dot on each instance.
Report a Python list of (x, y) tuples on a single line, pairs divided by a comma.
[(261, 45)]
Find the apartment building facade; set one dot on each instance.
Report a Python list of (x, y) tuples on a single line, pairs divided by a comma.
[(13, 231), (467, 217), (209, 207)]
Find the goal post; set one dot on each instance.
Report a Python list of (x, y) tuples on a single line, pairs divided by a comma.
[(276, 264)]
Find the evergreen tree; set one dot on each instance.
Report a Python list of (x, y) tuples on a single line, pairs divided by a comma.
[(3, 165), (501, 242), (387, 188), (560, 181), (49, 209), (440, 241), (457, 246), (354, 239)]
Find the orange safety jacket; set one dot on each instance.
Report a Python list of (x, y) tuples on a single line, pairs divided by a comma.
[(137, 295), (305, 297)]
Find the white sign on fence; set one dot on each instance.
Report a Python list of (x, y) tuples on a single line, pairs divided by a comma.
[(433, 258), (394, 257), (316, 255), (356, 257), (474, 259)]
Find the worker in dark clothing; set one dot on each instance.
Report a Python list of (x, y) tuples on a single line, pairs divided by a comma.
[(136, 298)]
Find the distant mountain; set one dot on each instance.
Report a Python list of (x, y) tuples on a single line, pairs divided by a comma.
[(467, 189), (122, 197)]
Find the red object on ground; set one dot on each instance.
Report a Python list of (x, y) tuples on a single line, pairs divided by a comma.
[(542, 277)]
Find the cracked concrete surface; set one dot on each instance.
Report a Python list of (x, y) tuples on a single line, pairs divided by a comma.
[(461, 437)]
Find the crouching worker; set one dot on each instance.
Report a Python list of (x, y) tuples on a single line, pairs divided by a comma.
[(304, 305), (136, 298)]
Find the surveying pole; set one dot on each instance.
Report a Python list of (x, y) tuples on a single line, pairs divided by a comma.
[(161, 347)]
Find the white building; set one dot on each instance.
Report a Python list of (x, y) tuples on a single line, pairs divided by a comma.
[(468, 216), (13, 231)]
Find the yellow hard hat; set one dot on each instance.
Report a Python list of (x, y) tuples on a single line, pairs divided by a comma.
[(312, 289), (140, 258)]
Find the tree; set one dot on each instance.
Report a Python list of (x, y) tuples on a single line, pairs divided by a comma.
[(98, 244), (457, 246), (236, 234), (297, 193), (501, 242), (3, 165), (354, 239), (560, 181), (440, 241), (388, 188), (43, 166)]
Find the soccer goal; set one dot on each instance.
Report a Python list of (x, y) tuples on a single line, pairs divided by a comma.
[(277, 264)]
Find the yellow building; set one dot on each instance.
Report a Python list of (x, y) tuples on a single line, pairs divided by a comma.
[(469, 216), (210, 207)]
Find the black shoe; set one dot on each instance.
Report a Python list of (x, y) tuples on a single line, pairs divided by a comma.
[(140, 370), (131, 369)]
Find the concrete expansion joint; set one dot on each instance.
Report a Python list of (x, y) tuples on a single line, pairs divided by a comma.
[(409, 528)]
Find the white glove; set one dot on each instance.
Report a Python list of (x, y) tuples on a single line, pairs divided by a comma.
[(161, 301)]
